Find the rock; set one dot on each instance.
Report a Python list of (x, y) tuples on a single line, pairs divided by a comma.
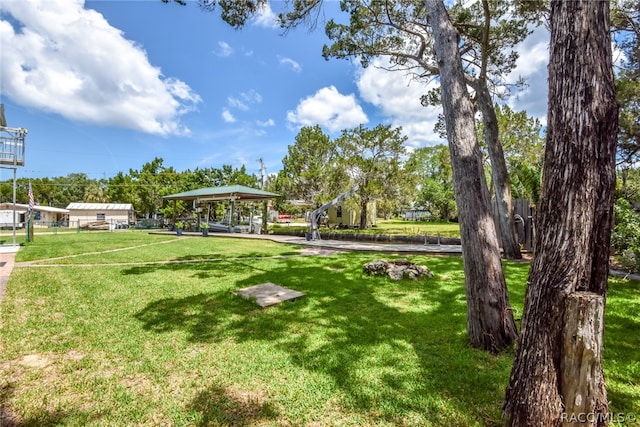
[(396, 270)]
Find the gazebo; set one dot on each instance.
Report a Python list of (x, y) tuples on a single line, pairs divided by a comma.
[(230, 193)]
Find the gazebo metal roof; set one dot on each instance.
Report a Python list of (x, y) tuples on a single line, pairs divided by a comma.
[(239, 193)]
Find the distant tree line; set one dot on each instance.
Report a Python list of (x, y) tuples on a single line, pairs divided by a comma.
[(317, 168), (143, 188)]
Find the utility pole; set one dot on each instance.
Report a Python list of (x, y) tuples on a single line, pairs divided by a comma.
[(263, 173), (11, 156), (265, 207)]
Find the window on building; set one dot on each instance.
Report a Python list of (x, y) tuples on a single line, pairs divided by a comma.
[(339, 211), (100, 217)]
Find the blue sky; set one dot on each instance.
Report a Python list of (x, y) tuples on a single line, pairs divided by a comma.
[(107, 86)]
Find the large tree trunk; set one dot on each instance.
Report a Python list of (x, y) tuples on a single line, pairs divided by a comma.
[(364, 213), (507, 224), (490, 323), (508, 231), (575, 212)]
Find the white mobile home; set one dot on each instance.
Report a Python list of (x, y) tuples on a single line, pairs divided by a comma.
[(115, 215), (42, 216), (7, 218)]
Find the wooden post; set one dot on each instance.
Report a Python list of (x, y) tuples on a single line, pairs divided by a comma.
[(265, 212), (175, 203), (582, 359), (31, 233)]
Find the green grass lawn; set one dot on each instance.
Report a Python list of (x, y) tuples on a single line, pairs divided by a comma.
[(448, 229), (148, 332), (409, 228)]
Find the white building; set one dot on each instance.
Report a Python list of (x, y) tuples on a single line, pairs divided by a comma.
[(42, 216), (111, 215)]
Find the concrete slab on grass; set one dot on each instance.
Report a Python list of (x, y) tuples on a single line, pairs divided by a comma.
[(268, 294)]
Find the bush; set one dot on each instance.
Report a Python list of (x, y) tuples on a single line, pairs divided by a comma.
[(625, 238)]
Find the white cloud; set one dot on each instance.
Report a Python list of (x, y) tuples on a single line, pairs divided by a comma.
[(243, 102), (252, 96), (288, 62), (266, 123), (265, 17), (330, 109), (69, 60), (619, 56), (237, 103), (398, 98), (532, 67), (224, 49), (227, 116)]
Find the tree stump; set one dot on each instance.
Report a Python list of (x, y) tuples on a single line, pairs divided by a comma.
[(582, 359)]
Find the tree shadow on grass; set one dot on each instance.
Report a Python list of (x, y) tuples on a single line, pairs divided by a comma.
[(202, 265), (347, 318), (7, 417), (43, 417), (46, 418), (220, 406), (359, 331)]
